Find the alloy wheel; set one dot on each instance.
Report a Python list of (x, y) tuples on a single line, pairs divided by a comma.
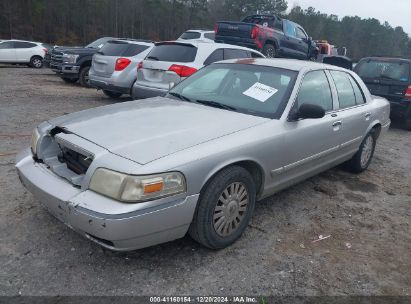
[(367, 151)]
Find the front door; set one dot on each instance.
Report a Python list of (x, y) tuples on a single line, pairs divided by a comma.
[(7, 52)]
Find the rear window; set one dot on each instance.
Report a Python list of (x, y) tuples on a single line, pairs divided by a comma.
[(115, 48), (394, 70), (190, 35), (173, 52)]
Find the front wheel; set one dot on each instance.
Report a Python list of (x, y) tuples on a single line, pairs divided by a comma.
[(36, 62), (269, 51), (224, 209), (362, 159), (84, 78), (112, 94)]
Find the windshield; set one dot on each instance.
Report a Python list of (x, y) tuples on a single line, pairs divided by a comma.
[(395, 70), (98, 44), (246, 88)]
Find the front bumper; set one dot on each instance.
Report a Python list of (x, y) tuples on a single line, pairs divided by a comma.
[(119, 232), (65, 69)]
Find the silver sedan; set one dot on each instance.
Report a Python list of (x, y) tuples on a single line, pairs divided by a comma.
[(136, 174)]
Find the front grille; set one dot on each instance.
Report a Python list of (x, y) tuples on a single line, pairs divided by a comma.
[(56, 57), (76, 162)]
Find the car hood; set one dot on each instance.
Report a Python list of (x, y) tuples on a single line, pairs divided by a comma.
[(146, 130)]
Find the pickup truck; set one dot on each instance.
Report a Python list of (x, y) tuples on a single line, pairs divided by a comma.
[(72, 64), (269, 34)]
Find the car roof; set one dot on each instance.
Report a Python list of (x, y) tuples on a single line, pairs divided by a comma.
[(134, 41), (204, 44), (289, 64)]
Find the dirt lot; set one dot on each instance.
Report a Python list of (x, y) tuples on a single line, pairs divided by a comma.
[(368, 217)]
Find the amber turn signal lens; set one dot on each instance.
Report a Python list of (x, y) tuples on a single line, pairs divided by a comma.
[(153, 188)]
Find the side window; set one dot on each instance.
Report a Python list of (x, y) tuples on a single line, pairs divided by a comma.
[(300, 33), (346, 96), (315, 89), (359, 95), (209, 36), (234, 54), (217, 55), (289, 29), (7, 45), (23, 45)]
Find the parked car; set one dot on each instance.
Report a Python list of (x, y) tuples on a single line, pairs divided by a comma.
[(391, 79), (168, 63), (199, 35), (270, 34), (22, 52), (139, 173), (72, 64), (114, 66)]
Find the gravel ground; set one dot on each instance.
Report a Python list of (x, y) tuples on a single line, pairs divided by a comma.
[(368, 217)]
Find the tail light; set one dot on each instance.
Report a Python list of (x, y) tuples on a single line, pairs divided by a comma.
[(140, 65), (215, 28), (45, 51), (182, 70), (122, 63), (254, 32), (408, 92)]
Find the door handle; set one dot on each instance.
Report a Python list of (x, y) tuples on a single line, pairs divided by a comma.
[(337, 123), (367, 115)]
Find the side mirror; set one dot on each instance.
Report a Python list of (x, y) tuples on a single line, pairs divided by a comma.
[(310, 111)]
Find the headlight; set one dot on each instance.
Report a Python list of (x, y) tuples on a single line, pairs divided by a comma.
[(70, 58), (133, 189), (35, 136)]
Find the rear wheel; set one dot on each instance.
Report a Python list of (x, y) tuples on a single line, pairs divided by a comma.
[(362, 159), (269, 51), (224, 209), (112, 94), (36, 62), (69, 80), (84, 78)]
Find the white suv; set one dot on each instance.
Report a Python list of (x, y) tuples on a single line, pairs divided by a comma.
[(24, 52), (170, 62)]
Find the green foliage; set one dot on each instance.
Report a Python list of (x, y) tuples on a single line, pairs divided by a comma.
[(78, 22)]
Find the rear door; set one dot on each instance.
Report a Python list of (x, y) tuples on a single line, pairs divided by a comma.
[(160, 66), (290, 43), (7, 52), (104, 61), (388, 78), (353, 114)]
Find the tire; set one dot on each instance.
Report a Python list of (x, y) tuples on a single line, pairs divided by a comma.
[(69, 80), (84, 79), (407, 119), (269, 51), (362, 159), (36, 62), (210, 227), (112, 94)]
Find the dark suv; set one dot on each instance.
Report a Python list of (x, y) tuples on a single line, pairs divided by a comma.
[(270, 34), (73, 63), (389, 78)]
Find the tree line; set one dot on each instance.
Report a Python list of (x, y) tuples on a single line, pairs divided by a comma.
[(78, 22)]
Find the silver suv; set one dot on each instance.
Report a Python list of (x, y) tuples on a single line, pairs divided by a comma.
[(168, 63), (114, 66)]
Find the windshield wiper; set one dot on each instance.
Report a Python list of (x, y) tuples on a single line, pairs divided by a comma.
[(153, 58), (216, 104), (179, 96)]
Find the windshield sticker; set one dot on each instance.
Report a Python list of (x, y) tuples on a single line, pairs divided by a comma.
[(260, 92)]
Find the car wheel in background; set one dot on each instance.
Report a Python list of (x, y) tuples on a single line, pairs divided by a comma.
[(362, 159), (36, 62), (69, 80), (224, 209), (84, 78), (407, 119), (269, 51), (112, 94)]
